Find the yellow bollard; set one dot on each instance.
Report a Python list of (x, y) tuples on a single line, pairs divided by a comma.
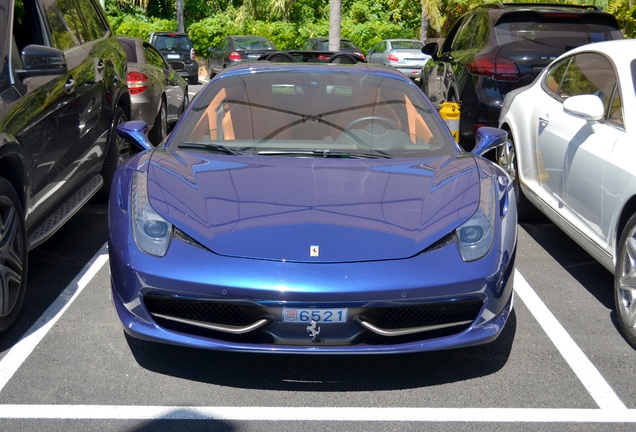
[(450, 114)]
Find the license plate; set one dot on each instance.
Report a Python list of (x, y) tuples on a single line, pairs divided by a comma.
[(253, 55), (321, 316), (173, 56)]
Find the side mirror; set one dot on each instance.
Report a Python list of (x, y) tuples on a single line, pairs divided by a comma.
[(39, 60), (136, 132), (488, 138), (586, 107), (431, 49)]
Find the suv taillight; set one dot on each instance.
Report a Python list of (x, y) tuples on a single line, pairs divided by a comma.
[(137, 82), (235, 56), (192, 56), (499, 68)]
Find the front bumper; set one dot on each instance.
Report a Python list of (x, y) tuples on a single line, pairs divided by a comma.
[(161, 300)]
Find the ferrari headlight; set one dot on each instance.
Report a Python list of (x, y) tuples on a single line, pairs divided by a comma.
[(152, 232), (476, 235)]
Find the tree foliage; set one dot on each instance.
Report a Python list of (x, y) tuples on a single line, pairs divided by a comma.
[(287, 23)]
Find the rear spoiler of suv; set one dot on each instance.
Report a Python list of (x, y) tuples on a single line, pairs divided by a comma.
[(296, 56)]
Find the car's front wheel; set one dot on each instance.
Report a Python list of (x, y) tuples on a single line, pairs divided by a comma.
[(625, 282), (117, 151), (13, 255), (160, 128), (507, 159)]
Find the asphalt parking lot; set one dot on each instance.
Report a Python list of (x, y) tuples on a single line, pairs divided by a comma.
[(560, 364)]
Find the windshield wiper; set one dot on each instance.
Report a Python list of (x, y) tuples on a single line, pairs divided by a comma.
[(210, 147), (327, 153)]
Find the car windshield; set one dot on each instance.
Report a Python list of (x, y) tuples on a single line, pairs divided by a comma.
[(556, 34), (173, 43), (308, 111), (346, 44), (407, 45), (253, 44)]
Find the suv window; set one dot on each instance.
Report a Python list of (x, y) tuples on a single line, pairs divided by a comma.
[(59, 13), (482, 31), (95, 26), (464, 37), (73, 22), (556, 34)]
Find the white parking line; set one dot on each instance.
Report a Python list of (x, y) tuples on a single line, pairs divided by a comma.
[(591, 378), (321, 414), (612, 410)]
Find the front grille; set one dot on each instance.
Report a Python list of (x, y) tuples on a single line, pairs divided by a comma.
[(203, 310), (424, 315), (166, 310)]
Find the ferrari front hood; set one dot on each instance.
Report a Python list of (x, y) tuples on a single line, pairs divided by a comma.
[(313, 209)]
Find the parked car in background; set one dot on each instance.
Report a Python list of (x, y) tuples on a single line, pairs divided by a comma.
[(322, 44), (237, 49), (347, 221), (496, 48), (403, 54), (158, 94), (571, 156), (63, 90), (177, 47)]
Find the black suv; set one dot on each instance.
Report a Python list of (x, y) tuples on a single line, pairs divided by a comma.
[(62, 91), (498, 47), (177, 47)]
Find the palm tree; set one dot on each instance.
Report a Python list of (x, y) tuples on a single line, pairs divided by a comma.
[(334, 24), (430, 16)]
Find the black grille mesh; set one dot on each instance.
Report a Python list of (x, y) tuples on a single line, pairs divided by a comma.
[(198, 310), (422, 315)]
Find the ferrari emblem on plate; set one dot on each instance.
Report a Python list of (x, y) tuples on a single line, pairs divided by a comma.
[(314, 330), (314, 251)]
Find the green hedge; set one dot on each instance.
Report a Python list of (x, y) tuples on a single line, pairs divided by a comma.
[(209, 32)]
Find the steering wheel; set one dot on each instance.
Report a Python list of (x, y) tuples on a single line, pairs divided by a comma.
[(373, 119)]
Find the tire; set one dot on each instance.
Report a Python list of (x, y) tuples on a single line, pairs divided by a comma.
[(343, 58), (13, 255), (159, 130), (625, 282), (186, 101), (117, 151), (507, 159)]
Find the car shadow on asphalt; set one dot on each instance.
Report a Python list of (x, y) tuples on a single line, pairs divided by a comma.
[(595, 278), (326, 373)]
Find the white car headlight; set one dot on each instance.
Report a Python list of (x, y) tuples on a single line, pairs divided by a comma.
[(475, 237), (152, 232)]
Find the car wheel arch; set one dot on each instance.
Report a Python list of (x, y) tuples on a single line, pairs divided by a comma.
[(629, 209), (13, 169)]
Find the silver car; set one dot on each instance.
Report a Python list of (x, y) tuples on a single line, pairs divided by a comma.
[(403, 54), (158, 94), (571, 157)]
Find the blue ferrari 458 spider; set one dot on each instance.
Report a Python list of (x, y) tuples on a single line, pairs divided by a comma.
[(312, 208)]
